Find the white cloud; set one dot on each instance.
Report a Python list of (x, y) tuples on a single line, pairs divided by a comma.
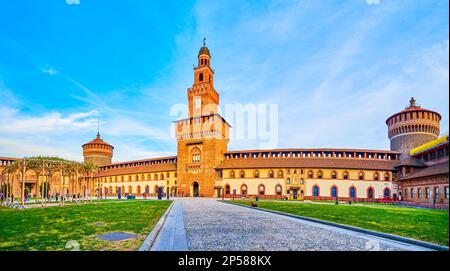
[(49, 71)]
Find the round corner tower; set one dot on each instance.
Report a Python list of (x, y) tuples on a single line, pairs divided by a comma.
[(98, 152), (412, 127)]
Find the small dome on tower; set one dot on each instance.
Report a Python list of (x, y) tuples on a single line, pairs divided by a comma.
[(204, 50)]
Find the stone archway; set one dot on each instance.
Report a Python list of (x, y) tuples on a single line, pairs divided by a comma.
[(195, 189)]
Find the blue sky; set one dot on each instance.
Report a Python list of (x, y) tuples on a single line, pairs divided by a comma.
[(336, 69)]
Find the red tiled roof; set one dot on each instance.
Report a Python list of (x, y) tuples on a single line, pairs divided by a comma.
[(314, 150), (437, 169), (98, 140), (309, 163)]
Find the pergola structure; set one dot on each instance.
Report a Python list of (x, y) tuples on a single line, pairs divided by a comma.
[(78, 177)]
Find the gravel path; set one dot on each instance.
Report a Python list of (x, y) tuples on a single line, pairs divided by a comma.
[(212, 225)]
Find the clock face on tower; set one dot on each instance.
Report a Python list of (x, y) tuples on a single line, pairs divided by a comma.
[(197, 103)]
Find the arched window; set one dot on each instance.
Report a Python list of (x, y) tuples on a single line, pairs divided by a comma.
[(310, 174), (345, 175), (261, 189), (361, 175), (130, 189), (129, 178), (147, 189), (156, 189), (278, 190), (156, 176), (387, 193), (195, 155), (136, 178), (162, 176), (352, 192), (370, 193), (270, 173), (122, 179), (256, 174), (334, 191), (316, 191), (139, 189), (280, 174), (244, 190), (386, 177), (333, 175), (142, 177), (232, 174), (149, 176), (288, 180), (227, 189), (376, 176), (242, 174), (200, 77), (319, 174)]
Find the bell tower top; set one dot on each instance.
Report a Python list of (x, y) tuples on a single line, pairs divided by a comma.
[(202, 97)]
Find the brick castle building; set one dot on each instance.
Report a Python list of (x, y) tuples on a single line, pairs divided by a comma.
[(414, 169)]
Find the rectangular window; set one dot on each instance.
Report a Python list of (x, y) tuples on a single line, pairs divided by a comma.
[(412, 193), (427, 192), (436, 192), (406, 193), (419, 193), (446, 192)]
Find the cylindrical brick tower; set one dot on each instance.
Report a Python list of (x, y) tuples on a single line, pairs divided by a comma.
[(412, 127), (98, 152)]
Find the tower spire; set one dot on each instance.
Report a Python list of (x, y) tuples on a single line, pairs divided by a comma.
[(98, 128), (204, 41)]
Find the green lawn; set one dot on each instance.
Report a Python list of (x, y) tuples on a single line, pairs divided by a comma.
[(422, 224), (51, 228)]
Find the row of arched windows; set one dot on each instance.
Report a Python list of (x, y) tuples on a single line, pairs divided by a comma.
[(109, 190), (129, 178), (311, 175), (261, 190), (351, 192), (270, 174)]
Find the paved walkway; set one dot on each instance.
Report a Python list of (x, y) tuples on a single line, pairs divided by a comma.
[(172, 236), (212, 225)]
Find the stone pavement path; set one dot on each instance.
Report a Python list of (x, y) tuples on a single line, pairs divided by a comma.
[(212, 225)]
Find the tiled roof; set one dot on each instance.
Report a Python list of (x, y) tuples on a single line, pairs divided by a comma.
[(314, 150), (441, 168), (98, 140), (141, 160), (309, 163), (411, 162), (138, 169), (8, 158)]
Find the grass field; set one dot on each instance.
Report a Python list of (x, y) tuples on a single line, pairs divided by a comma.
[(51, 228), (422, 224)]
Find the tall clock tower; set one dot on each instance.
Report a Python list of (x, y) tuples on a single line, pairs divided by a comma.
[(202, 138)]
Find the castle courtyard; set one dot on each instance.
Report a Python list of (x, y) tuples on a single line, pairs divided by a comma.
[(206, 224)]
